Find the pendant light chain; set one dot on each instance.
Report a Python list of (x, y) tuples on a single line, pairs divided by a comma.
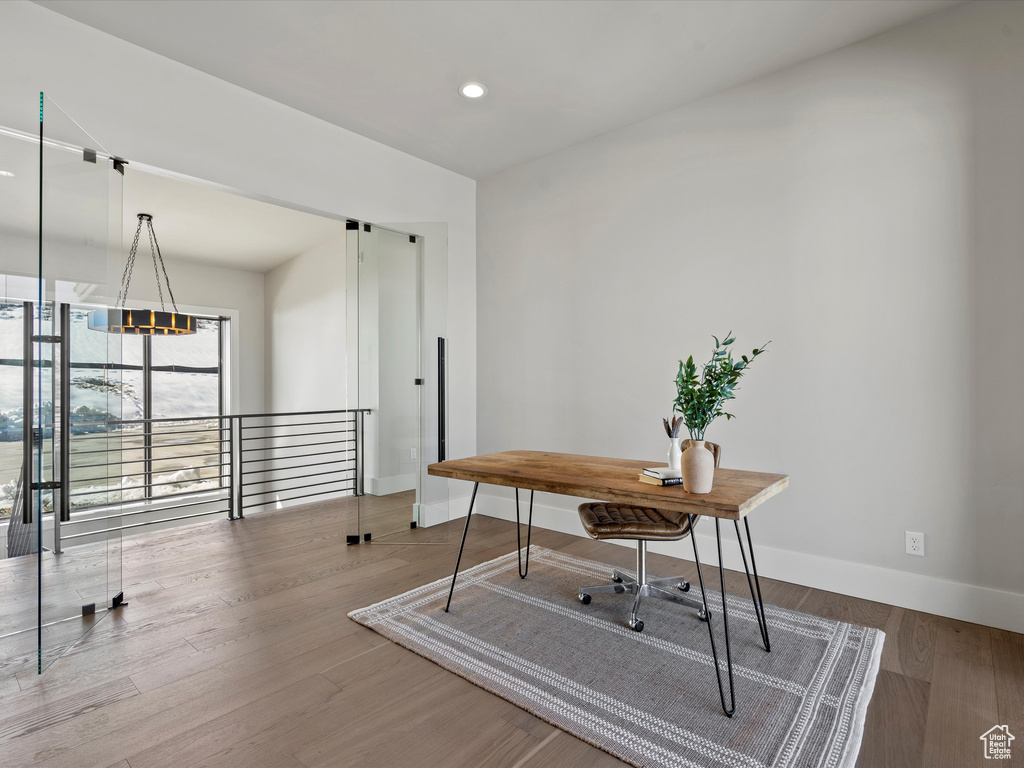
[(129, 267), (156, 270), (157, 255)]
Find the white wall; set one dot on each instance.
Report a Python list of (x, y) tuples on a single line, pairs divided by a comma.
[(155, 111), (862, 210), (305, 330)]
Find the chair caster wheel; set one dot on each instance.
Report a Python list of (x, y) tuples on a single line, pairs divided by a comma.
[(684, 587), (585, 599), (704, 616), (637, 626), (617, 579)]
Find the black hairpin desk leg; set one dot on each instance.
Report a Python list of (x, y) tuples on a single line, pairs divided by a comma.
[(519, 542), (462, 546), (762, 620), (731, 708), (755, 594)]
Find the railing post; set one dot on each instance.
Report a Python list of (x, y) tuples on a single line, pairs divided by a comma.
[(231, 466), (27, 409), (63, 513), (240, 508), (147, 416), (360, 428)]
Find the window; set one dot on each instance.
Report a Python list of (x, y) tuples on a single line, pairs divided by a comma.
[(184, 382), (116, 380)]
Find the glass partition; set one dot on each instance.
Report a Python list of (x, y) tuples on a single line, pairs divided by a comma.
[(19, 258), (402, 311), (79, 560)]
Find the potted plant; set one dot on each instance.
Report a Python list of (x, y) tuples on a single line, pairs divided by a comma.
[(701, 400)]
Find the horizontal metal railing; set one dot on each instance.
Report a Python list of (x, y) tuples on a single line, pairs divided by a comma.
[(132, 473), (270, 444)]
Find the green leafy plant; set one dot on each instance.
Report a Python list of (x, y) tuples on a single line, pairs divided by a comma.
[(700, 400)]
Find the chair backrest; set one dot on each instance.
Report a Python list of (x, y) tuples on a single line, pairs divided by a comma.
[(715, 448)]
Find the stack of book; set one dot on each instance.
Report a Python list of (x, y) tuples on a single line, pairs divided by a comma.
[(661, 476)]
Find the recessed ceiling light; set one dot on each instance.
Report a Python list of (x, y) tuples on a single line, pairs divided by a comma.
[(472, 91), (6, 173)]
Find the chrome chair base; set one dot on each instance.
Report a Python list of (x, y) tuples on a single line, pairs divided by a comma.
[(671, 589)]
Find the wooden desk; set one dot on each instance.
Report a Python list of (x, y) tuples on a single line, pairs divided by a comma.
[(734, 495)]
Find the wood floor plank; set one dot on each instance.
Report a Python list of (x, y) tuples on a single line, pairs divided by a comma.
[(164, 673), (895, 726), (909, 643), (962, 703), (530, 723), (171, 711), (251, 725), (1008, 669), (84, 670), (845, 608), (459, 724), (9, 685), (50, 713), (566, 751), (891, 650)]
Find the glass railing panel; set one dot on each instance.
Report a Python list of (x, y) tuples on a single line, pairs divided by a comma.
[(79, 250)]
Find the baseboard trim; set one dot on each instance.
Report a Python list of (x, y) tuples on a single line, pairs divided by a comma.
[(966, 602), (385, 486), (435, 514)]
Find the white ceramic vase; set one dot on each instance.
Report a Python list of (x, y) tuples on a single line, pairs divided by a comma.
[(698, 467), (675, 453)]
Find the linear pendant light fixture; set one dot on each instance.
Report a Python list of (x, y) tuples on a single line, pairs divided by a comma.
[(143, 322)]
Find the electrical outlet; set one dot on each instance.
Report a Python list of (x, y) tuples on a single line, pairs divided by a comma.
[(915, 543), (412, 453)]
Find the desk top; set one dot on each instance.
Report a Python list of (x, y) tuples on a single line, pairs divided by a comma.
[(734, 494)]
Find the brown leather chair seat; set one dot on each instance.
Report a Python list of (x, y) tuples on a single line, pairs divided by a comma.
[(622, 521)]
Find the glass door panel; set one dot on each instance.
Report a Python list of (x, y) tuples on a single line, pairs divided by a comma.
[(79, 566), (19, 545), (396, 362)]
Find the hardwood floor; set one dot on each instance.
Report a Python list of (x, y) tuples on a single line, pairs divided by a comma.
[(235, 650)]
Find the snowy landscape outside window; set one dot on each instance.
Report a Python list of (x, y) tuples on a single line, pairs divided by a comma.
[(184, 382)]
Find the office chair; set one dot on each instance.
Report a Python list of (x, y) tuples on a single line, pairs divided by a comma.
[(623, 521)]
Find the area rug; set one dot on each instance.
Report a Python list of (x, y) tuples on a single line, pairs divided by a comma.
[(649, 698)]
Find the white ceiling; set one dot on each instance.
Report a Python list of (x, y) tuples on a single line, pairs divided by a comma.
[(558, 71)]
